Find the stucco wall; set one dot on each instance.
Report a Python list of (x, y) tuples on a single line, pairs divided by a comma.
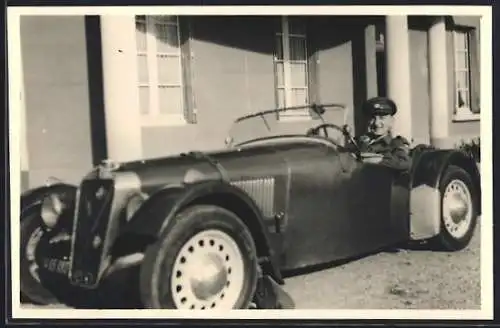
[(56, 96), (233, 75), (336, 80)]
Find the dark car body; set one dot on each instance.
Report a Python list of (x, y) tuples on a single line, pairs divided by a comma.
[(305, 200)]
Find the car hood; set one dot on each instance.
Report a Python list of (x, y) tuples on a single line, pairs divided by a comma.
[(227, 164)]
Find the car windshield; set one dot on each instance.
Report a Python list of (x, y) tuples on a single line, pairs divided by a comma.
[(292, 121)]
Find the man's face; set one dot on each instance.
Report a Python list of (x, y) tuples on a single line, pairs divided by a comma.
[(380, 124)]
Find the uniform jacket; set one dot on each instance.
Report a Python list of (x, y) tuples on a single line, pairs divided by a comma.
[(395, 150)]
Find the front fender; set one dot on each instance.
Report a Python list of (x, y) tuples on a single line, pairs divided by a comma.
[(33, 197), (156, 215), (425, 198)]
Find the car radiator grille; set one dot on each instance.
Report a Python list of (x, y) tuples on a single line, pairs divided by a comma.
[(89, 230), (261, 190)]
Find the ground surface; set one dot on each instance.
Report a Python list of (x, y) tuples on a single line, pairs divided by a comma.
[(402, 280)]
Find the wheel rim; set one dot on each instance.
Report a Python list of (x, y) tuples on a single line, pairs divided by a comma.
[(208, 272), (30, 250), (457, 208)]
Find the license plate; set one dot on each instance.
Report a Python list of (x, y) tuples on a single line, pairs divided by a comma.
[(56, 265)]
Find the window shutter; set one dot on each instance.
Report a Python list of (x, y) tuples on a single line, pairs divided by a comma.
[(187, 71), (475, 72)]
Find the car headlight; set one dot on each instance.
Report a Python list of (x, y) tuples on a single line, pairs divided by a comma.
[(52, 208)]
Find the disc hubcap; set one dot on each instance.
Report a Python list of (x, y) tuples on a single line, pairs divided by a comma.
[(208, 272), (457, 208), (212, 277)]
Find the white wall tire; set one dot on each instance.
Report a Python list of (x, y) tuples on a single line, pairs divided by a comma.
[(206, 261)]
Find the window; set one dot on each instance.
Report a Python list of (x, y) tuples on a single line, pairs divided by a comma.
[(161, 70), (465, 75), (291, 66)]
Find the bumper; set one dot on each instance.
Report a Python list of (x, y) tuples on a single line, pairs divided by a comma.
[(117, 289)]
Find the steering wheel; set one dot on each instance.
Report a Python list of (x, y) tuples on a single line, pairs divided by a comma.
[(345, 130), (315, 130)]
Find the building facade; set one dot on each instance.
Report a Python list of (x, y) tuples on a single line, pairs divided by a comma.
[(134, 87)]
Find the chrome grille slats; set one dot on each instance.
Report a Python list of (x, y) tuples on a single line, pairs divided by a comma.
[(261, 190)]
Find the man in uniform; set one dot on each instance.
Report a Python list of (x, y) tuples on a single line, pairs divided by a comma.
[(378, 146)]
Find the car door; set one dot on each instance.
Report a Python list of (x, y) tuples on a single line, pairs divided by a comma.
[(338, 207), (318, 226), (377, 204)]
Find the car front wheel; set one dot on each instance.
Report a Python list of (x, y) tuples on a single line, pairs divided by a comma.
[(458, 210), (206, 260)]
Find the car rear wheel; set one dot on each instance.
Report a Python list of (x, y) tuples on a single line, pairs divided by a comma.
[(32, 231), (458, 210), (206, 260)]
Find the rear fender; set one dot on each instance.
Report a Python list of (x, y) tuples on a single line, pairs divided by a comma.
[(425, 198), (156, 216)]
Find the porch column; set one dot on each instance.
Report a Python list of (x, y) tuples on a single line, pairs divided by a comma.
[(397, 49), (23, 137), (17, 90), (371, 61), (121, 97), (438, 80)]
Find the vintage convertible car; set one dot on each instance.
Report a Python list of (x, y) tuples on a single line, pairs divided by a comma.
[(222, 229)]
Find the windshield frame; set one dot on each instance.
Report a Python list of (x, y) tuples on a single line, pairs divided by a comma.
[(320, 107), (315, 109)]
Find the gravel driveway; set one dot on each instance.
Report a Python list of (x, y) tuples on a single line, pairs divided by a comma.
[(402, 280)]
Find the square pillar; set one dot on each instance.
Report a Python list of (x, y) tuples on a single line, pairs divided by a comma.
[(371, 61), (438, 80), (23, 137), (121, 95), (23, 131), (17, 98), (397, 49)]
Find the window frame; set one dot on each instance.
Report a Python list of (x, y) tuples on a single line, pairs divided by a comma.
[(285, 35), (461, 114), (154, 117)]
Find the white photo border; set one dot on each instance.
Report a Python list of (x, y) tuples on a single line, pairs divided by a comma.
[(14, 69)]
